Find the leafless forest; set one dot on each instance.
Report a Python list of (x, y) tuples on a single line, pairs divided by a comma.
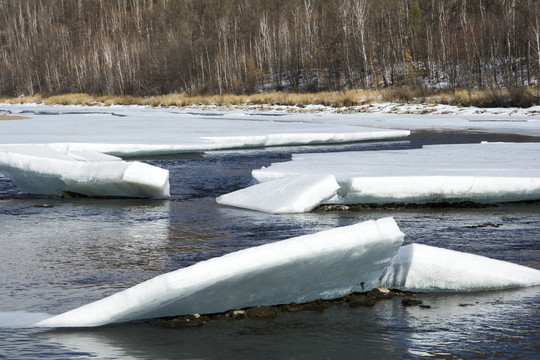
[(152, 47)]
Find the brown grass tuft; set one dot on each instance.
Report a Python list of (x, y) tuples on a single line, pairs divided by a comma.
[(71, 99)]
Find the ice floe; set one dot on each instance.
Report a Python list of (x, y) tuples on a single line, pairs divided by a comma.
[(79, 132), (295, 194), (484, 173), (326, 264), (426, 268), (40, 169), (139, 131)]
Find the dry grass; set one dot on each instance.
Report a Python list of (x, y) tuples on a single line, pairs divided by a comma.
[(519, 97), (337, 99), (35, 99), (13, 117)]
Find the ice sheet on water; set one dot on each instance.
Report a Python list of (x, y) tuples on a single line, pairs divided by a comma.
[(92, 128), (426, 268), (487, 172), (295, 194), (45, 170), (306, 138), (327, 264)]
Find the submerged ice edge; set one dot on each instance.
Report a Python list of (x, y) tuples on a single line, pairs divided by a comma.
[(20, 319)]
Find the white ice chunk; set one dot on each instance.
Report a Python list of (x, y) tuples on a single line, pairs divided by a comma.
[(327, 264), (39, 169), (294, 194), (307, 138), (425, 268), (487, 173)]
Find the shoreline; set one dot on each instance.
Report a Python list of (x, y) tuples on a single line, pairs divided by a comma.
[(347, 102)]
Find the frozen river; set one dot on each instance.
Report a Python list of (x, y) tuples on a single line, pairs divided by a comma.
[(56, 257)]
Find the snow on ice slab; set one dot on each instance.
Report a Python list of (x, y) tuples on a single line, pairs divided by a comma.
[(487, 172), (39, 169), (327, 264), (425, 268), (295, 194)]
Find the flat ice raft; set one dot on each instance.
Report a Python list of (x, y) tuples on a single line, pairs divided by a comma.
[(327, 264), (485, 173), (40, 169)]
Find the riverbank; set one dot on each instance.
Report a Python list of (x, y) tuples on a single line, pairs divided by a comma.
[(349, 101)]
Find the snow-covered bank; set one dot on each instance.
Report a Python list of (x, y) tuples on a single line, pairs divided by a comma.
[(327, 264), (484, 173), (519, 121), (40, 169)]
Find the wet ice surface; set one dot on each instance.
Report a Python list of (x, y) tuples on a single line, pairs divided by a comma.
[(57, 258), (486, 173)]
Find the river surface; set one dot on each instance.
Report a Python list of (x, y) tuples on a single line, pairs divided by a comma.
[(73, 251)]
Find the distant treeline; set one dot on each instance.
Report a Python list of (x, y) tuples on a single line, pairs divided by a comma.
[(151, 47)]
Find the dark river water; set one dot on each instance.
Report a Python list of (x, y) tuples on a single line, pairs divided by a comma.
[(75, 251)]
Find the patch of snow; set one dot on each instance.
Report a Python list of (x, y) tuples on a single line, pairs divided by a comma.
[(40, 169), (326, 264), (426, 268)]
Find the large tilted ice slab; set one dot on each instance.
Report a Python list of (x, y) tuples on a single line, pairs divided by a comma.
[(294, 194), (327, 264), (40, 169), (487, 173), (425, 268)]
